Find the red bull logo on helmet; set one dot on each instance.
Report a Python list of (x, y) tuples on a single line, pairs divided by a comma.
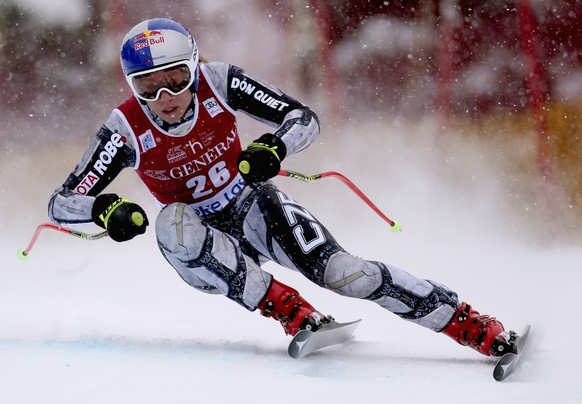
[(148, 38)]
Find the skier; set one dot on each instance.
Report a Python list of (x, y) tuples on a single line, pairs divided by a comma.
[(220, 216)]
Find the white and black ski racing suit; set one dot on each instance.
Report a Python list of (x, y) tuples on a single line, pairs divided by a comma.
[(214, 229)]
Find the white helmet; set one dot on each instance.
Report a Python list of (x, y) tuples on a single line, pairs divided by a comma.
[(159, 44)]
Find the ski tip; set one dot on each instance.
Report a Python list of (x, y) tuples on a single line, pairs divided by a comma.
[(504, 367), (334, 333), (507, 363)]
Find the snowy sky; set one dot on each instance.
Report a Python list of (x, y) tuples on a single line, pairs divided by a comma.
[(69, 11)]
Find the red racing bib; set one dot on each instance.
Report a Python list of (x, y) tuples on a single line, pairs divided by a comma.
[(198, 168)]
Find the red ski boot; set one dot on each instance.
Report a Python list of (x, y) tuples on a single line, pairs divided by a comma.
[(483, 333), (284, 304)]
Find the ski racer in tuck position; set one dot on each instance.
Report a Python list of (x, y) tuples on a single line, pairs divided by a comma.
[(220, 216)]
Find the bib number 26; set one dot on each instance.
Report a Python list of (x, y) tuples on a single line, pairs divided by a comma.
[(218, 175)]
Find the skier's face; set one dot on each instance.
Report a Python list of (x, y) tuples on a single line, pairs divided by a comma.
[(171, 107), (166, 91), (175, 79)]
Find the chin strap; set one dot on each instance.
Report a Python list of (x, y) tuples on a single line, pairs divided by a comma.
[(177, 128)]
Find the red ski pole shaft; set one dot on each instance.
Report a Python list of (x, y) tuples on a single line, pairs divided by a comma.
[(23, 253), (394, 224)]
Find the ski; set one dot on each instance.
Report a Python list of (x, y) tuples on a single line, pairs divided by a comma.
[(508, 362), (306, 342)]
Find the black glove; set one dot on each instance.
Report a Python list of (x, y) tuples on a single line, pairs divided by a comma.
[(261, 160), (122, 219)]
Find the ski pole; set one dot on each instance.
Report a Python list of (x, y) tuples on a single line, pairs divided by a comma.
[(394, 224), (23, 253)]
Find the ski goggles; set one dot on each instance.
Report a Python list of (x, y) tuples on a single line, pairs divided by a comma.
[(174, 78)]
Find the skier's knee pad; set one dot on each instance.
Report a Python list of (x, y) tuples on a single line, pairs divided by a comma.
[(352, 276), (180, 232)]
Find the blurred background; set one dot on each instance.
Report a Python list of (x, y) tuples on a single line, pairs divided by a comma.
[(486, 95), (459, 118)]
